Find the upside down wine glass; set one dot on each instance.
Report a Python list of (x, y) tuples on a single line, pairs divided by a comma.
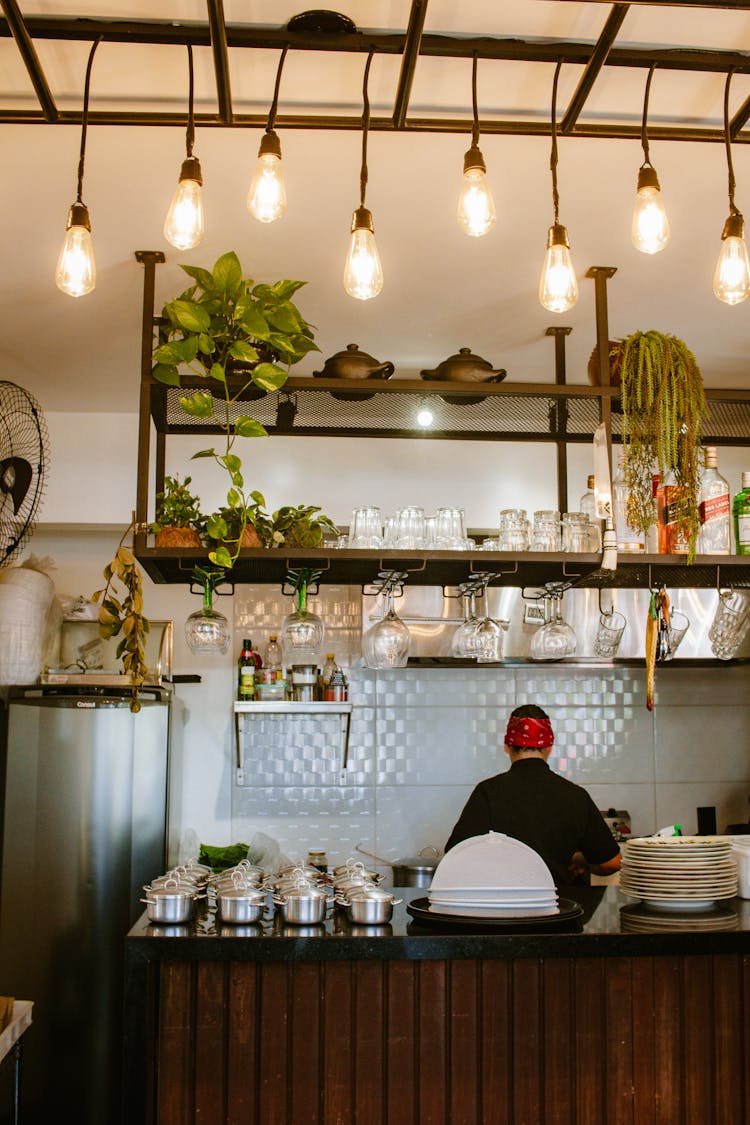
[(207, 631), (386, 643)]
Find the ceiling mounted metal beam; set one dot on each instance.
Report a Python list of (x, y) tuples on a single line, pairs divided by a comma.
[(217, 25), (19, 31), (604, 45), (740, 119), (417, 14)]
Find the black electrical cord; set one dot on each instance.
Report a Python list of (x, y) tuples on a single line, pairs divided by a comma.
[(85, 117), (553, 153), (365, 128)]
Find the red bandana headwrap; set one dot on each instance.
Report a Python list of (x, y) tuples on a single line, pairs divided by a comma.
[(533, 733)]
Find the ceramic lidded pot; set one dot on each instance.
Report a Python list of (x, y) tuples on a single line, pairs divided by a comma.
[(351, 363), (464, 367)]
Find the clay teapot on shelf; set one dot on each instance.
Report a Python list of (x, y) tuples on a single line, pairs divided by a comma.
[(464, 367), (351, 363)]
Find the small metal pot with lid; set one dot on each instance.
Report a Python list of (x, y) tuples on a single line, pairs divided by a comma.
[(415, 871), (304, 906)]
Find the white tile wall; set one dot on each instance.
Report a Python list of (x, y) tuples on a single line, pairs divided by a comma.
[(423, 736)]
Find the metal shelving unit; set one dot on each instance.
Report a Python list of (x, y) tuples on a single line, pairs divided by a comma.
[(292, 711), (559, 412)]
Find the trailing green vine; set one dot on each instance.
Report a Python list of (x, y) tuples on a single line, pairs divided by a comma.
[(121, 611), (663, 405)]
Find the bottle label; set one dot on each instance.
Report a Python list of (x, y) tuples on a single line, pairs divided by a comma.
[(247, 682), (716, 508), (672, 536), (743, 533)]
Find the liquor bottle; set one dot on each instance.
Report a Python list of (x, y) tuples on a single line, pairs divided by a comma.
[(629, 538), (272, 661), (246, 672), (741, 513), (652, 531), (714, 537), (587, 505), (673, 538)]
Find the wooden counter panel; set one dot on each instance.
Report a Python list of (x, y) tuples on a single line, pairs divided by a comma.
[(626, 1041)]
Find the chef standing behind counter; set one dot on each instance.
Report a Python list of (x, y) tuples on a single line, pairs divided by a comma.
[(555, 817)]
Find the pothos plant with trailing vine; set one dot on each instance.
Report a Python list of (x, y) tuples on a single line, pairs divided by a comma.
[(121, 611), (226, 324)]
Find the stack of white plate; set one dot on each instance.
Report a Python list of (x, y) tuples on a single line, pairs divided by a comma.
[(493, 876), (679, 872)]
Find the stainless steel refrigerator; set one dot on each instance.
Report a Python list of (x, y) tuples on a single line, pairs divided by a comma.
[(84, 785)]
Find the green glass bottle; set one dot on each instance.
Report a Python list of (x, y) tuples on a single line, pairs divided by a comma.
[(741, 514)]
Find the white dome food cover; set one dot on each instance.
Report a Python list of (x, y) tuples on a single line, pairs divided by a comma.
[(492, 860)]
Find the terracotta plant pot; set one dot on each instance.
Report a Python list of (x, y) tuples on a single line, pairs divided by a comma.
[(178, 537), (250, 538), (615, 363)]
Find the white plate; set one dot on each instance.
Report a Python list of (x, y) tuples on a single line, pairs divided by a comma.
[(500, 888), (489, 903), (680, 903), (497, 911)]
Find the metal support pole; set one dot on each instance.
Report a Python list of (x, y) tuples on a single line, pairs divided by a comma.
[(559, 415), (148, 259), (601, 275)]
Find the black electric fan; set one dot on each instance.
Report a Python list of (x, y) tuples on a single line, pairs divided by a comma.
[(24, 444)]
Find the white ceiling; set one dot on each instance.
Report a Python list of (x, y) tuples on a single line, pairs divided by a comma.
[(442, 290)]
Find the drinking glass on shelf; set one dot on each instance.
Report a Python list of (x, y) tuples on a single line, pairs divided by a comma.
[(386, 643), (513, 534), (730, 624), (679, 624), (545, 535), (609, 634), (575, 532), (449, 533), (366, 528), (409, 528)]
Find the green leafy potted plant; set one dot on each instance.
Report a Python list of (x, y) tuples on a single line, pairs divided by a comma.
[(178, 522), (231, 528), (226, 324), (300, 526), (663, 404)]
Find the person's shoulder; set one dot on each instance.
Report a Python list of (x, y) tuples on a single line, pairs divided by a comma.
[(566, 783)]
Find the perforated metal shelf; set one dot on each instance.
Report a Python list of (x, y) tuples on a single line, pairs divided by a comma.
[(493, 412)]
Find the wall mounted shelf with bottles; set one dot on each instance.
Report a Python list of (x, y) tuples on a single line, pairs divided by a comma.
[(561, 413)]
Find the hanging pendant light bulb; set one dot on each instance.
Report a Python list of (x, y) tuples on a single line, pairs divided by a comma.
[(650, 228), (363, 273), (732, 276), (558, 286), (75, 274), (476, 207), (266, 199), (185, 223)]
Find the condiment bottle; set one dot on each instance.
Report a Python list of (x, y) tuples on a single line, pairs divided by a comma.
[(329, 668), (336, 690), (246, 672), (318, 860), (272, 661)]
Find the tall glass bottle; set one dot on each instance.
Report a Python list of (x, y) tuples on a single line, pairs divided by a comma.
[(272, 661), (741, 513), (246, 672), (714, 537), (629, 538), (673, 535), (587, 505)]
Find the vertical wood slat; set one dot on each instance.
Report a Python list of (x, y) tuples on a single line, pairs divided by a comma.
[(274, 1057), (242, 1044), (401, 1064), (698, 1030), (527, 1040), (464, 1033), (495, 1046), (558, 1013), (642, 1016), (588, 985), (369, 1049), (338, 1054), (745, 1036), (305, 1063), (668, 1088), (209, 1059), (727, 1049), (175, 1045), (432, 1042), (618, 1041)]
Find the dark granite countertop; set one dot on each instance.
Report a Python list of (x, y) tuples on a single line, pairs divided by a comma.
[(611, 925)]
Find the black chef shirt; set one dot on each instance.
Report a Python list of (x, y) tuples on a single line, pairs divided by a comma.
[(540, 808)]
